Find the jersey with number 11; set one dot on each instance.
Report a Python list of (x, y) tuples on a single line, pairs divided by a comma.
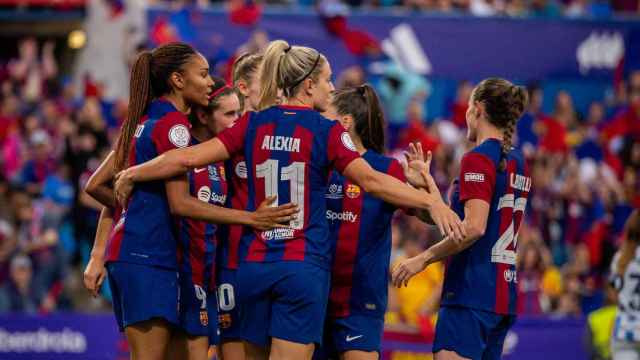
[(484, 276), (289, 152)]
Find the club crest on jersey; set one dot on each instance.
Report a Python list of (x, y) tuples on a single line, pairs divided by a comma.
[(204, 318), (222, 172), (179, 135), (224, 321), (473, 177), (241, 170), (347, 142), (213, 173), (334, 192), (353, 191)]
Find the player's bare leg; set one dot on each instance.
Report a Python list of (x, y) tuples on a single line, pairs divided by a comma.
[(289, 350), (255, 352), (148, 340), (183, 346), (448, 355), (359, 355), (232, 350)]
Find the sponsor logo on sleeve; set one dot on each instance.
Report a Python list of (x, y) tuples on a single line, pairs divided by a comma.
[(473, 177)]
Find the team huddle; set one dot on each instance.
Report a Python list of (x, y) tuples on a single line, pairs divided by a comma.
[(256, 216)]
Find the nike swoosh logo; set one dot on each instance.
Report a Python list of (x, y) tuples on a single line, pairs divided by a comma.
[(199, 170), (351, 338)]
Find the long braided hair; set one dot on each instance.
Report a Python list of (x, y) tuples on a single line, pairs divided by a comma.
[(504, 104)]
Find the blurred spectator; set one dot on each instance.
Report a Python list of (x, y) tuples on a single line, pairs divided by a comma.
[(417, 130), (19, 293), (397, 89), (31, 71), (415, 306), (528, 127), (459, 106)]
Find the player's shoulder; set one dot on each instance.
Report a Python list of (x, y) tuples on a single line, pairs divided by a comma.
[(487, 151), (379, 161)]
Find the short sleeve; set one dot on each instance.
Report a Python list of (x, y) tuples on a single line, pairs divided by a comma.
[(340, 148), (233, 137), (171, 132), (477, 177), (395, 170)]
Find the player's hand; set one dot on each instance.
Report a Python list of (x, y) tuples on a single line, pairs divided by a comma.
[(404, 271), (267, 217), (94, 275), (123, 186), (415, 164)]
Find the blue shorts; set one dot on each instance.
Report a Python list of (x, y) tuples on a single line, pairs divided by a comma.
[(471, 333), (198, 309), (142, 292), (354, 332), (228, 306), (286, 300)]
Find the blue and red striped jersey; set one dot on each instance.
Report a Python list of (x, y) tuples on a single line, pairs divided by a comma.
[(361, 242), (483, 276), (230, 235), (289, 152), (144, 234), (198, 239)]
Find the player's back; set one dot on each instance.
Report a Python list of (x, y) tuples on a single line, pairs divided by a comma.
[(144, 233), (489, 263), (237, 198), (361, 242), (289, 152)]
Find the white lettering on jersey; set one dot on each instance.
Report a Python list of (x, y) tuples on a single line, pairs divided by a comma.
[(343, 216), (520, 182), (511, 276), (139, 131), (473, 177), (282, 143), (277, 234)]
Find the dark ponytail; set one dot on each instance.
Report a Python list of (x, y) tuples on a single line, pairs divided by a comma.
[(150, 77), (363, 105), (140, 94)]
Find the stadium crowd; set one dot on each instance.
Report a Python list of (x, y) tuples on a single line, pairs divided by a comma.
[(585, 170)]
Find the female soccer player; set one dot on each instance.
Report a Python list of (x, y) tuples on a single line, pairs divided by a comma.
[(247, 82), (141, 254), (289, 152), (625, 270), (479, 293), (360, 226), (197, 239)]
